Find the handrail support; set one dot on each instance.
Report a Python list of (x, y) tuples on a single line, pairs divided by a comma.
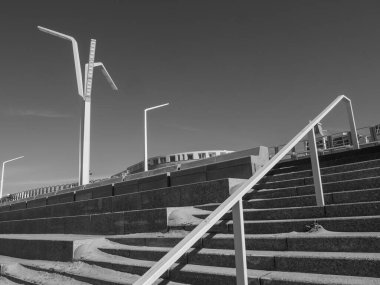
[(316, 170), (351, 120), (239, 243)]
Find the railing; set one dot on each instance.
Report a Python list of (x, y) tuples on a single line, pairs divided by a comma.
[(234, 202), (335, 142), (33, 193)]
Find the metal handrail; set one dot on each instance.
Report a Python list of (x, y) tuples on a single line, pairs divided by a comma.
[(240, 190)]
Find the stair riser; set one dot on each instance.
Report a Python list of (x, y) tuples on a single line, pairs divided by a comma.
[(88, 280), (17, 280), (112, 223), (176, 274)]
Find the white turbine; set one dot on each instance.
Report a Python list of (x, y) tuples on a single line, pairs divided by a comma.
[(85, 93)]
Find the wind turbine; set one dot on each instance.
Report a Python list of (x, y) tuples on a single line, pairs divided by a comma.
[(85, 93)]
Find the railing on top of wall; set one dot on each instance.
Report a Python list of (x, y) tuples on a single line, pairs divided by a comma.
[(331, 143), (235, 203), (43, 190)]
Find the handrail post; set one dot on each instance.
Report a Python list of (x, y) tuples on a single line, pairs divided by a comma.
[(239, 242), (316, 170), (351, 120)]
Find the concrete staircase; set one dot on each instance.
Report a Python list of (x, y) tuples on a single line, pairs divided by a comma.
[(112, 234)]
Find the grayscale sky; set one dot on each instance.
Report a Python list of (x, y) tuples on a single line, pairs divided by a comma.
[(237, 74)]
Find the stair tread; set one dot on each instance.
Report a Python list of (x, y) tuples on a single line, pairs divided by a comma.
[(6, 281), (313, 278), (325, 234), (83, 270), (20, 272)]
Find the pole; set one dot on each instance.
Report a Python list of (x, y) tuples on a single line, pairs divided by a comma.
[(318, 187), (2, 174), (145, 143), (146, 135), (2, 181)]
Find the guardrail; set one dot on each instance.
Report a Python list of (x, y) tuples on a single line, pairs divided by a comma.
[(234, 202), (336, 142), (32, 193)]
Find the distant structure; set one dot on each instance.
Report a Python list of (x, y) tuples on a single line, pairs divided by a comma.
[(326, 140), (172, 159)]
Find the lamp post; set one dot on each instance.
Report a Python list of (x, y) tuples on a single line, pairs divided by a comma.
[(146, 135), (85, 93), (2, 174)]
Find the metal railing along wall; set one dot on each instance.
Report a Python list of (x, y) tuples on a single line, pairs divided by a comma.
[(234, 202), (33, 193), (335, 142)]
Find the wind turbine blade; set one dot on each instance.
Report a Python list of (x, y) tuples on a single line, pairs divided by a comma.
[(106, 74)]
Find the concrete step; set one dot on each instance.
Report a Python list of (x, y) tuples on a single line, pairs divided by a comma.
[(354, 196), (201, 274), (334, 177), (351, 156), (178, 196), (105, 224), (324, 171), (189, 273), (339, 210), (8, 281), (320, 241), (20, 274), (346, 263), (295, 278), (81, 271), (304, 164), (338, 186), (337, 224)]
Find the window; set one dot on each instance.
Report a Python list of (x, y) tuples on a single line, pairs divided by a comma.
[(212, 154), (201, 155), (190, 156), (172, 158), (162, 159)]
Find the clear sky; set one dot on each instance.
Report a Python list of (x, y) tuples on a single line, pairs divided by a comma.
[(237, 74)]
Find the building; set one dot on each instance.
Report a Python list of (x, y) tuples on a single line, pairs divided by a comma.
[(172, 159)]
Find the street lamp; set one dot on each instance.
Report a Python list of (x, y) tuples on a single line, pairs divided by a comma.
[(2, 174), (146, 136), (85, 93)]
